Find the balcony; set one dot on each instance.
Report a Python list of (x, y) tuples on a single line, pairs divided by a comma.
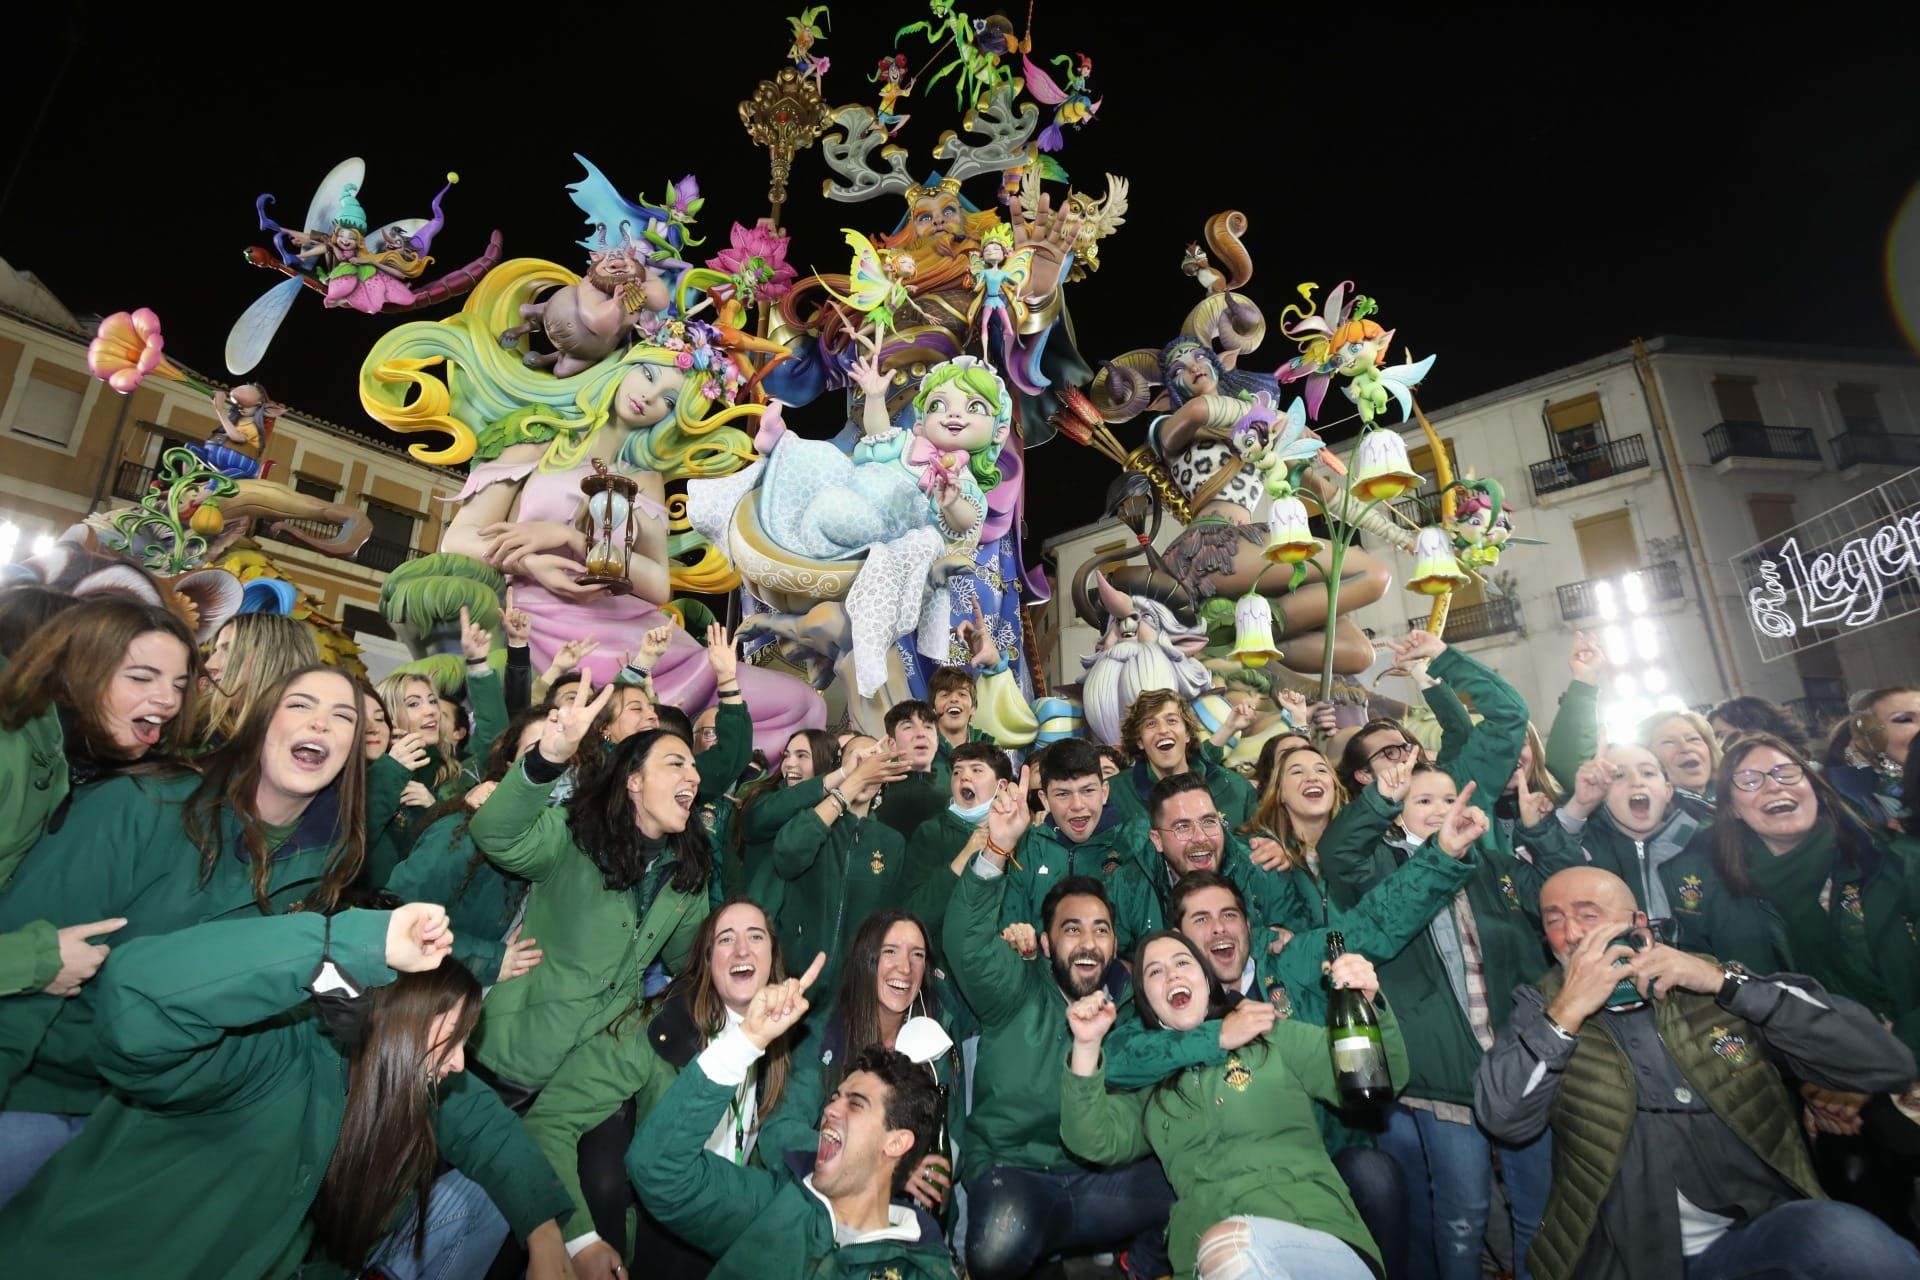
[(1494, 617), (1421, 509), (1616, 457), (384, 557), (1659, 583), (1757, 440), (132, 481), (1853, 447)]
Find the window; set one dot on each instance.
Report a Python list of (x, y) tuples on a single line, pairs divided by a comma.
[(325, 490), (1607, 543), (48, 412), (1577, 424), (1739, 398), (1859, 407), (391, 525)]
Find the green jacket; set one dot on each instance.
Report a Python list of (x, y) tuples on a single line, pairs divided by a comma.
[(836, 877), (760, 1225), (1640, 862), (1239, 1139), (1111, 854), (1876, 908), (122, 851), (1575, 736), (905, 804), (760, 821), (732, 750), (1233, 794), (33, 783), (1023, 1035), (596, 942), (930, 877), (637, 1058), (481, 900), (1440, 1041), (226, 1109)]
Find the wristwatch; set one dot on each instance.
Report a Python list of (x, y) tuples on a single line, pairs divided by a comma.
[(1736, 977)]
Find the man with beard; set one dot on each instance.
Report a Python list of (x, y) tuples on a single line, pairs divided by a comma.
[(1084, 835), (1677, 1150), (940, 850), (1027, 1199)]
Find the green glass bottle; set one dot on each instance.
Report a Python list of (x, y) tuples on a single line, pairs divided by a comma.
[(1353, 1032)]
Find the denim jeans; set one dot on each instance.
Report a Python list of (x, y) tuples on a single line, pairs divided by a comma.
[(464, 1231), (1243, 1248), (1022, 1217), (28, 1139), (1378, 1188), (1808, 1240), (1449, 1173)]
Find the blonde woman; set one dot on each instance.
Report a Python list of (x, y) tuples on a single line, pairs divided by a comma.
[(249, 656)]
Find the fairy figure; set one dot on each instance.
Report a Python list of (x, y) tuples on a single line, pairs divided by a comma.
[(1343, 341), (817, 502), (891, 76), (1000, 272), (1276, 445), (1071, 103), (877, 282), (246, 416), (806, 30), (355, 273), (1482, 523)]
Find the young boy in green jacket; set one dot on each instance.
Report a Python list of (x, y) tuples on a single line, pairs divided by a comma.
[(1162, 731), (922, 794), (833, 1219), (1027, 1198), (938, 852)]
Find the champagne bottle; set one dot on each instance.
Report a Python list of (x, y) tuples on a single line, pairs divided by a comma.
[(1353, 1031)]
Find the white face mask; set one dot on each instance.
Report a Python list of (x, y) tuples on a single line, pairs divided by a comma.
[(922, 1040)]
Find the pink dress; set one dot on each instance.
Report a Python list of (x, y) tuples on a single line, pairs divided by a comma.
[(780, 704)]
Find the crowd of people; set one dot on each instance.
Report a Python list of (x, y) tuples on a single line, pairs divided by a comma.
[(301, 976)]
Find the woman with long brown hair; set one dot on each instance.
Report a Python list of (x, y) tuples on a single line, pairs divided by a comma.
[(249, 656), (245, 1139), (99, 688), (887, 983), (585, 1119), (273, 823)]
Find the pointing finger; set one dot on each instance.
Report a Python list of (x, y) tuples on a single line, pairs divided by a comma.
[(812, 974)]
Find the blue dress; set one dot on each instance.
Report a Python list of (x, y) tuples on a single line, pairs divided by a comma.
[(817, 502)]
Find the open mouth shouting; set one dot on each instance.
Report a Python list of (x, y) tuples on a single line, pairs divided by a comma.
[(1080, 827), (831, 1142), (969, 794), (1640, 805), (1179, 996), (684, 798), (1202, 857), (310, 755), (1086, 965), (1224, 950), (148, 728), (1690, 764), (1314, 791), (1779, 806), (1166, 744)]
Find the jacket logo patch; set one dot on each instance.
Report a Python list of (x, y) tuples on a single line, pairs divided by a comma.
[(1111, 865), (1237, 1075), (891, 1273), (1851, 903), (1281, 1001), (1691, 892), (1731, 1049), (1512, 894)]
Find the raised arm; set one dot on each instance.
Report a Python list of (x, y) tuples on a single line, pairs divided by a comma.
[(732, 748), (990, 975), (516, 828), (1575, 736), (1099, 1127)]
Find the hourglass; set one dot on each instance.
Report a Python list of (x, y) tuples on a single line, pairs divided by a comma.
[(608, 522)]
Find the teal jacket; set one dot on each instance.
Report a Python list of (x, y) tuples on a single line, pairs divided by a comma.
[(481, 900), (761, 1226), (1232, 794), (596, 942), (1641, 862), (759, 823), (226, 1107), (930, 877), (1112, 855), (836, 877), (123, 851), (33, 784), (905, 804)]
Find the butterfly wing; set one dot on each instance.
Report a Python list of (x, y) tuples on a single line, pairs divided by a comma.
[(1040, 84), (868, 283), (1401, 379), (351, 172), (1020, 269)]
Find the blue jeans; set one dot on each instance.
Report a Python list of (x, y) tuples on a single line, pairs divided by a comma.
[(1243, 1248), (1449, 1172), (1808, 1240), (1378, 1188), (28, 1139), (464, 1231), (1022, 1217)]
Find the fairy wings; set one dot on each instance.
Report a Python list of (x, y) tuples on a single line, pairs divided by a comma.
[(873, 288), (1018, 269)]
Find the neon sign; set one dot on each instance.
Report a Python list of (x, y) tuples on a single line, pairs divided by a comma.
[(1848, 586)]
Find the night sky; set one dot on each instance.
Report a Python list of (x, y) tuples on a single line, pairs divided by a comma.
[(1520, 192)]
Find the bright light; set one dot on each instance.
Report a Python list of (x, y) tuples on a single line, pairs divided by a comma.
[(1625, 685), (1603, 596), (1646, 638), (43, 544), (1623, 715), (1636, 593), (1616, 641), (9, 537), (1654, 678)]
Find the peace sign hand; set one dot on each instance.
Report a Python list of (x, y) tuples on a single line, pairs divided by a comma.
[(977, 636), (1465, 823), (567, 726), (1391, 778)]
